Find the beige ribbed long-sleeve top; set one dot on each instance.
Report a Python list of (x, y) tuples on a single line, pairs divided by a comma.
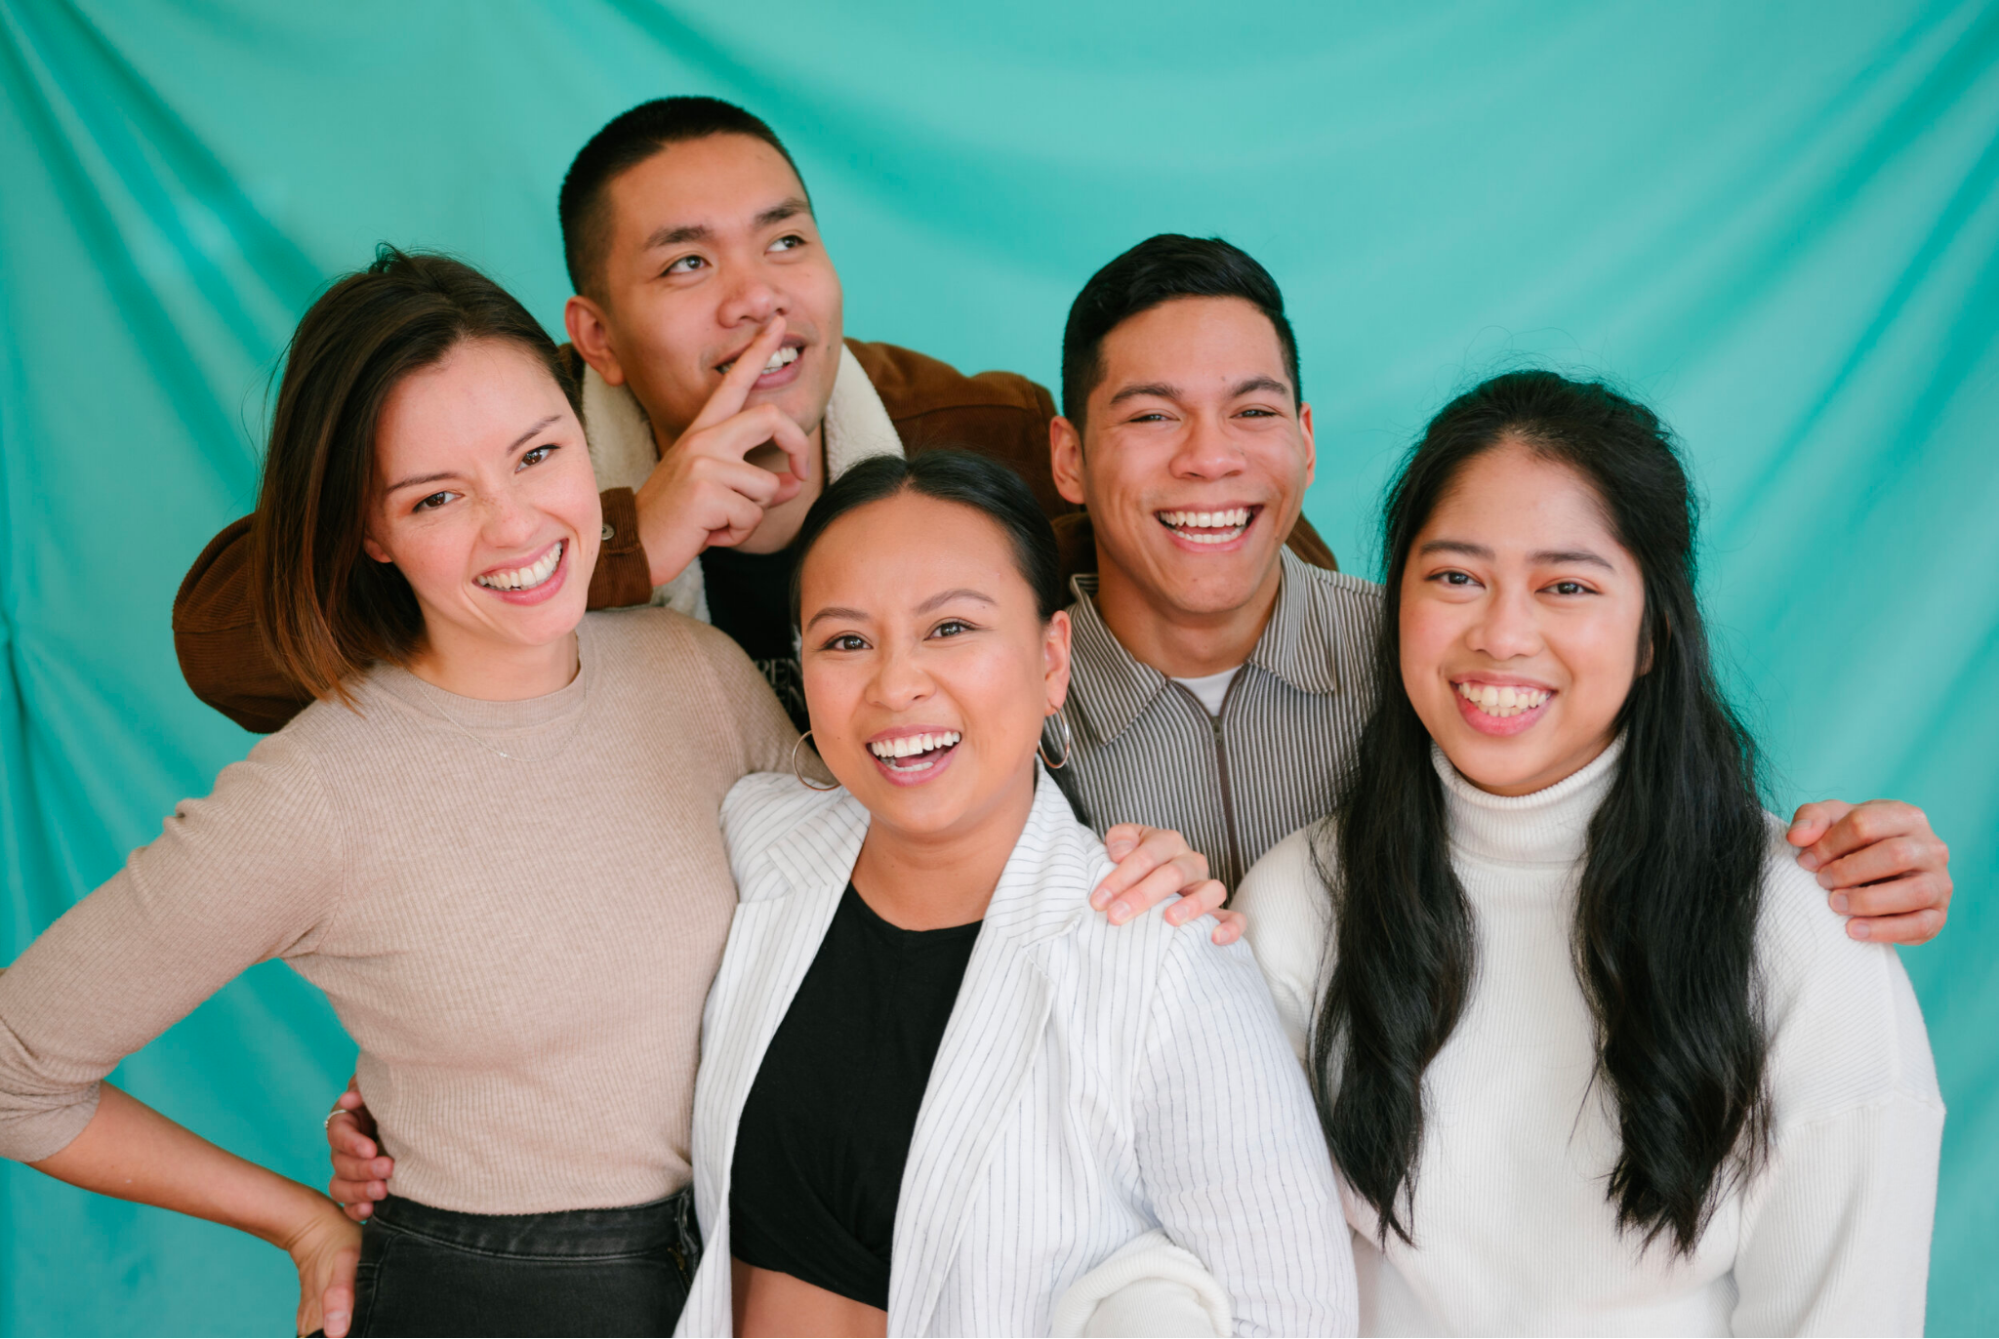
[(520, 945)]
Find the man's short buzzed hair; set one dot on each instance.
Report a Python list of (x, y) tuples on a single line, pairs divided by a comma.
[(1157, 271), (627, 141)]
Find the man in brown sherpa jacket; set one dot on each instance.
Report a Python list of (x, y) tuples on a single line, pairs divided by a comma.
[(689, 237)]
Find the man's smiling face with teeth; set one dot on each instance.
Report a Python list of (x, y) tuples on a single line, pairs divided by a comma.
[(1194, 456), (708, 240)]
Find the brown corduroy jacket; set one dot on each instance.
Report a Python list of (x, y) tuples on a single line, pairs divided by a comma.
[(997, 414)]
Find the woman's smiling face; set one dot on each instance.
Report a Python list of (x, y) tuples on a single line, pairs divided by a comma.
[(487, 504), (928, 669), (1520, 620)]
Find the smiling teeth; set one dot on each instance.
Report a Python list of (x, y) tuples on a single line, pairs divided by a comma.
[(1502, 700), (525, 578), (784, 357), (914, 746), (1219, 526)]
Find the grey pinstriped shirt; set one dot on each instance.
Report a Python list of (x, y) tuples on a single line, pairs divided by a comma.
[(1146, 751)]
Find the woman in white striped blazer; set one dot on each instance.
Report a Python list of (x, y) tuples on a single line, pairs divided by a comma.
[(937, 1094)]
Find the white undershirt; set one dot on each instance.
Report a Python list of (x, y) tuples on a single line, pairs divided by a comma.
[(1210, 689), (1513, 1230)]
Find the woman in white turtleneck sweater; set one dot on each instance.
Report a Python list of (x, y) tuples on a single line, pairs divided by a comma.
[(1592, 1056)]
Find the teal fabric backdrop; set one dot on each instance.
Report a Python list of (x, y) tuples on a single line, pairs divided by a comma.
[(1776, 221)]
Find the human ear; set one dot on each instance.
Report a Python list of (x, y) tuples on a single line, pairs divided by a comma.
[(1311, 451), (1055, 659), (590, 332), (1648, 644), (373, 549), (1065, 459)]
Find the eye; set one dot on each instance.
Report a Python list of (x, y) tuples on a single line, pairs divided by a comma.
[(1150, 416), (1571, 588), (687, 265), (433, 502), (846, 641), (536, 456), (1256, 411), (951, 627), (1451, 576), (791, 241)]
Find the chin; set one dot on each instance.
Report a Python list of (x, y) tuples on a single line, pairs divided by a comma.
[(1204, 591)]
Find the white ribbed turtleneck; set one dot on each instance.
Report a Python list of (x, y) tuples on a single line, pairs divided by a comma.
[(1513, 1231)]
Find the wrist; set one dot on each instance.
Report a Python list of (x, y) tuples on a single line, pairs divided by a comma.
[(303, 1216)]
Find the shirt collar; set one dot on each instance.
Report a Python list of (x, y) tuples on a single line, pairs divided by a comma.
[(1298, 646)]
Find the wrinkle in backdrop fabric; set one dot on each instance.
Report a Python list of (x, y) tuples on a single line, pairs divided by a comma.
[(1778, 223)]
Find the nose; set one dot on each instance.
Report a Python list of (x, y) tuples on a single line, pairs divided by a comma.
[(900, 680), (509, 517), (751, 298), (1204, 451), (1508, 627)]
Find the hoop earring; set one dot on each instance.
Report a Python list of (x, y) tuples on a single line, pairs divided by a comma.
[(800, 775), (1068, 746)]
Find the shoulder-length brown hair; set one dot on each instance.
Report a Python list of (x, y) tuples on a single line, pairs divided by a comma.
[(326, 612)]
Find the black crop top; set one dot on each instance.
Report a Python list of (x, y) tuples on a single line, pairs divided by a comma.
[(826, 1128)]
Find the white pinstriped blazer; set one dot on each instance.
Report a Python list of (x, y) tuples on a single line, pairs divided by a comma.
[(1094, 1082)]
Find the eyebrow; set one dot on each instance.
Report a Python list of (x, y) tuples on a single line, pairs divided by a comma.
[(1259, 383), (512, 447), (674, 234), (835, 611), (788, 208), (1165, 391), (1552, 557), (941, 598), (960, 593), (1157, 388)]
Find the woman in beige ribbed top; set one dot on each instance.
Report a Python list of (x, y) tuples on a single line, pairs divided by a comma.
[(493, 841), (499, 860)]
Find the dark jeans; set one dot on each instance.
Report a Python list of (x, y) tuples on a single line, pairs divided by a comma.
[(430, 1271)]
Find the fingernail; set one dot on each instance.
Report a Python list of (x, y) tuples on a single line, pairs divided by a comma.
[(1839, 903), (1120, 912), (1825, 879), (1097, 899), (1859, 930), (1808, 860)]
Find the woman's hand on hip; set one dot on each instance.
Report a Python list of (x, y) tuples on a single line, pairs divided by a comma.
[(326, 1251), (1154, 864), (361, 1171)]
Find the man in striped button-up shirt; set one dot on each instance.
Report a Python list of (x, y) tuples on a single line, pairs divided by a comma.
[(1258, 764), (1219, 682)]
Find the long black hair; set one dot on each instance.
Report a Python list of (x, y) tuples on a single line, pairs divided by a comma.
[(1666, 917)]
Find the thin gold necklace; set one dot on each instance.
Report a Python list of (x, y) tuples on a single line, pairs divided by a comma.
[(452, 721)]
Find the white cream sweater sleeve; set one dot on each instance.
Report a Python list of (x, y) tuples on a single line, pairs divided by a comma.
[(1289, 915), (1836, 1230)]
